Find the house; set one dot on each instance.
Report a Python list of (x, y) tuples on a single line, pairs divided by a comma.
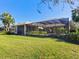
[(45, 27)]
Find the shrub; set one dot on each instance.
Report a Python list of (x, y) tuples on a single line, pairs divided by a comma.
[(9, 33), (72, 37)]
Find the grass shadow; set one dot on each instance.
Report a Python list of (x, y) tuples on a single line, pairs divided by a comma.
[(67, 40), (58, 39)]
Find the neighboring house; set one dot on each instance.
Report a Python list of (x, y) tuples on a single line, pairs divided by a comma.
[(49, 26)]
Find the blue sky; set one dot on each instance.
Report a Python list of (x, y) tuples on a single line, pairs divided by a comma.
[(26, 10)]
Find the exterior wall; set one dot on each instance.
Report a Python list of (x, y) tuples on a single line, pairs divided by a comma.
[(24, 29), (20, 30)]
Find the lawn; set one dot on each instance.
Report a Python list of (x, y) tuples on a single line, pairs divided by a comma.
[(26, 47)]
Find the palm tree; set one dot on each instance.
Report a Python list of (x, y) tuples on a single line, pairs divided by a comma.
[(7, 20)]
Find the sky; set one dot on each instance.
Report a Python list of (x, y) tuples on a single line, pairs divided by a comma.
[(26, 10)]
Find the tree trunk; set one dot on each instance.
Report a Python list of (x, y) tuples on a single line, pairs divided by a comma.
[(5, 28), (8, 27)]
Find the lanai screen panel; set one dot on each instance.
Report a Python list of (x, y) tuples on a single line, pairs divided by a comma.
[(61, 21)]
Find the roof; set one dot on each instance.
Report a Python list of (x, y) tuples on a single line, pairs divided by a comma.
[(26, 23), (54, 21)]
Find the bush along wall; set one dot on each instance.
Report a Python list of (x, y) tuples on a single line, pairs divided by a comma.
[(74, 38)]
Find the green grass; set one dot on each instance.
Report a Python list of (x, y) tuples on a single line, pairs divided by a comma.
[(26, 47)]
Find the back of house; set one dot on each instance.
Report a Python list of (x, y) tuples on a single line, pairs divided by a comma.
[(53, 26)]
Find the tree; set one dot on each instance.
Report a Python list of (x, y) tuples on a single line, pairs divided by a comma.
[(75, 15), (72, 26), (58, 1), (7, 20), (50, 3)]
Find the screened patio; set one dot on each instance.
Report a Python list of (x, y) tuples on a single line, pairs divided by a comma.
[(49, 27)]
